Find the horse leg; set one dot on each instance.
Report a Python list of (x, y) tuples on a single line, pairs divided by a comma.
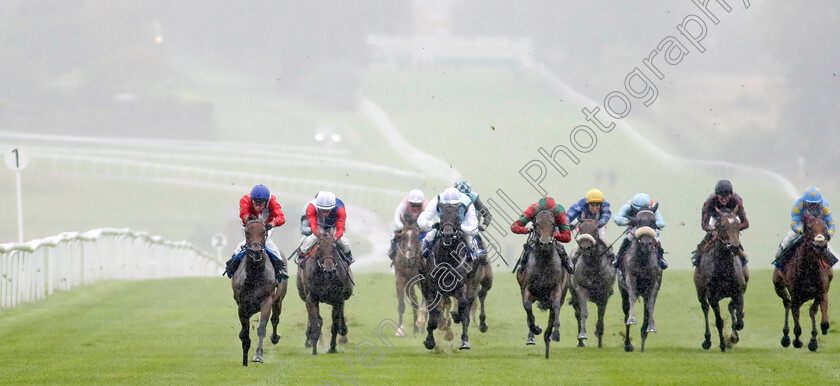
[(812, 344), (401, 281), (719, 324), (434, 318), (631, 299), (276, 309), (736, 312), (782, 292), (644, 331), (464, 305), (486, 284), (420, 315), (824, 324), (533, 329), (599, 327), (337, 322), (265, 313), (797, 329), (552, 317), (313, 330), (582, 299), (704, 305), (625, 306), (243, 335)]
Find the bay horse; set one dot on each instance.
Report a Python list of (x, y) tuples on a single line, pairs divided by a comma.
[(593, 278), (806, 277), (719, 275), (255, 289), (543, 279), (484, 277), (448, 272), (641, 276), (324, 277), (407, 266)]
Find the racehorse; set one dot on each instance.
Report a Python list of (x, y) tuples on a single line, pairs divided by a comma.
[(324, 277), (448, 272), (484, 276), (641, 276), (255, 289), (719, 275), (806, 277), (593, 278), (543, 279), (407, 266)]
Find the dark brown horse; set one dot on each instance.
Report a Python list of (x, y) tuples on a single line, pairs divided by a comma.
[(543, 279), (719, 275), (641, 276), (324, 277), (593, 279), (255, 289), (447, 272), (484, 276), (806, 277), (407, 264)]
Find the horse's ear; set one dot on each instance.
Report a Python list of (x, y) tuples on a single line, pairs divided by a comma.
[(251, 218), (654, 207)]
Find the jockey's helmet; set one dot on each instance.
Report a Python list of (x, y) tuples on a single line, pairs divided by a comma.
[(641, 200), (723, 188), (325, 200), (812, 195), (416, 196), (260, 192), (594, 196), (451, 196), (462, 186)]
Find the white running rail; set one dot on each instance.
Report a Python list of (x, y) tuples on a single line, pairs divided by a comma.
[(33, 270)]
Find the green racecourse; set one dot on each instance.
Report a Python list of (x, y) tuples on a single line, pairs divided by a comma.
[(184, 331)]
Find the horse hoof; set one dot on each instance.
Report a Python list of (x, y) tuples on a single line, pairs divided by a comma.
[(455, 317), (824, 326), (332, 350), (464, 346), (400, 331), (733, 339), (812, 345), (628, 348), (797, 343), (275, 338), (416, 330), (258, 358), (555, 336), (722, 347), (785, 341), (582, 336), (707, 344), (651, 329), (430, 344), (342, 339), (530, 341), (631, 320), (739, 325), (448, 335), (580, 343), (482, 327), (537, 330)]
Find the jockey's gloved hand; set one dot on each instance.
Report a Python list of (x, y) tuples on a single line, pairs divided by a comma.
[(529, 226), (436, 225), (828, 236), (631, 222), (268, 227), (482, 227)]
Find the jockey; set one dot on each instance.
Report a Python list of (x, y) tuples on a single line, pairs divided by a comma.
[(411, 206), (627, 216), (469, 222), (326, 212), (815, 205), (260, 203), (481, 211), (724, 200), (562, 234), (593, 206)]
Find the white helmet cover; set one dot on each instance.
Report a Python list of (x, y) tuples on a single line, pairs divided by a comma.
[(325, 200), (451, 196), (415, 196)]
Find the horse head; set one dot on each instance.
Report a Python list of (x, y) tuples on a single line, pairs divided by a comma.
[(410, 241), (645, 237), (727, 229), (544, 231), (255, 235), (814, 231), (326, 254), (450, 223)]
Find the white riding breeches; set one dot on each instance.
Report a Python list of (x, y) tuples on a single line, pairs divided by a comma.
[(307, 242)]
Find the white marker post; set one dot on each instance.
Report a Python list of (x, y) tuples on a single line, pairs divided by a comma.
[(218, 241), (16, 159)]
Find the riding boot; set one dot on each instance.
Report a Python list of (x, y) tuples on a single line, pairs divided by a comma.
[(231, 266), (781, 258), (348, 257), (280, 270), (523, 259), (392, 252), (743, 256), (661, 254), (564, 258), (618, 263), (695, 258), (829, 258)]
